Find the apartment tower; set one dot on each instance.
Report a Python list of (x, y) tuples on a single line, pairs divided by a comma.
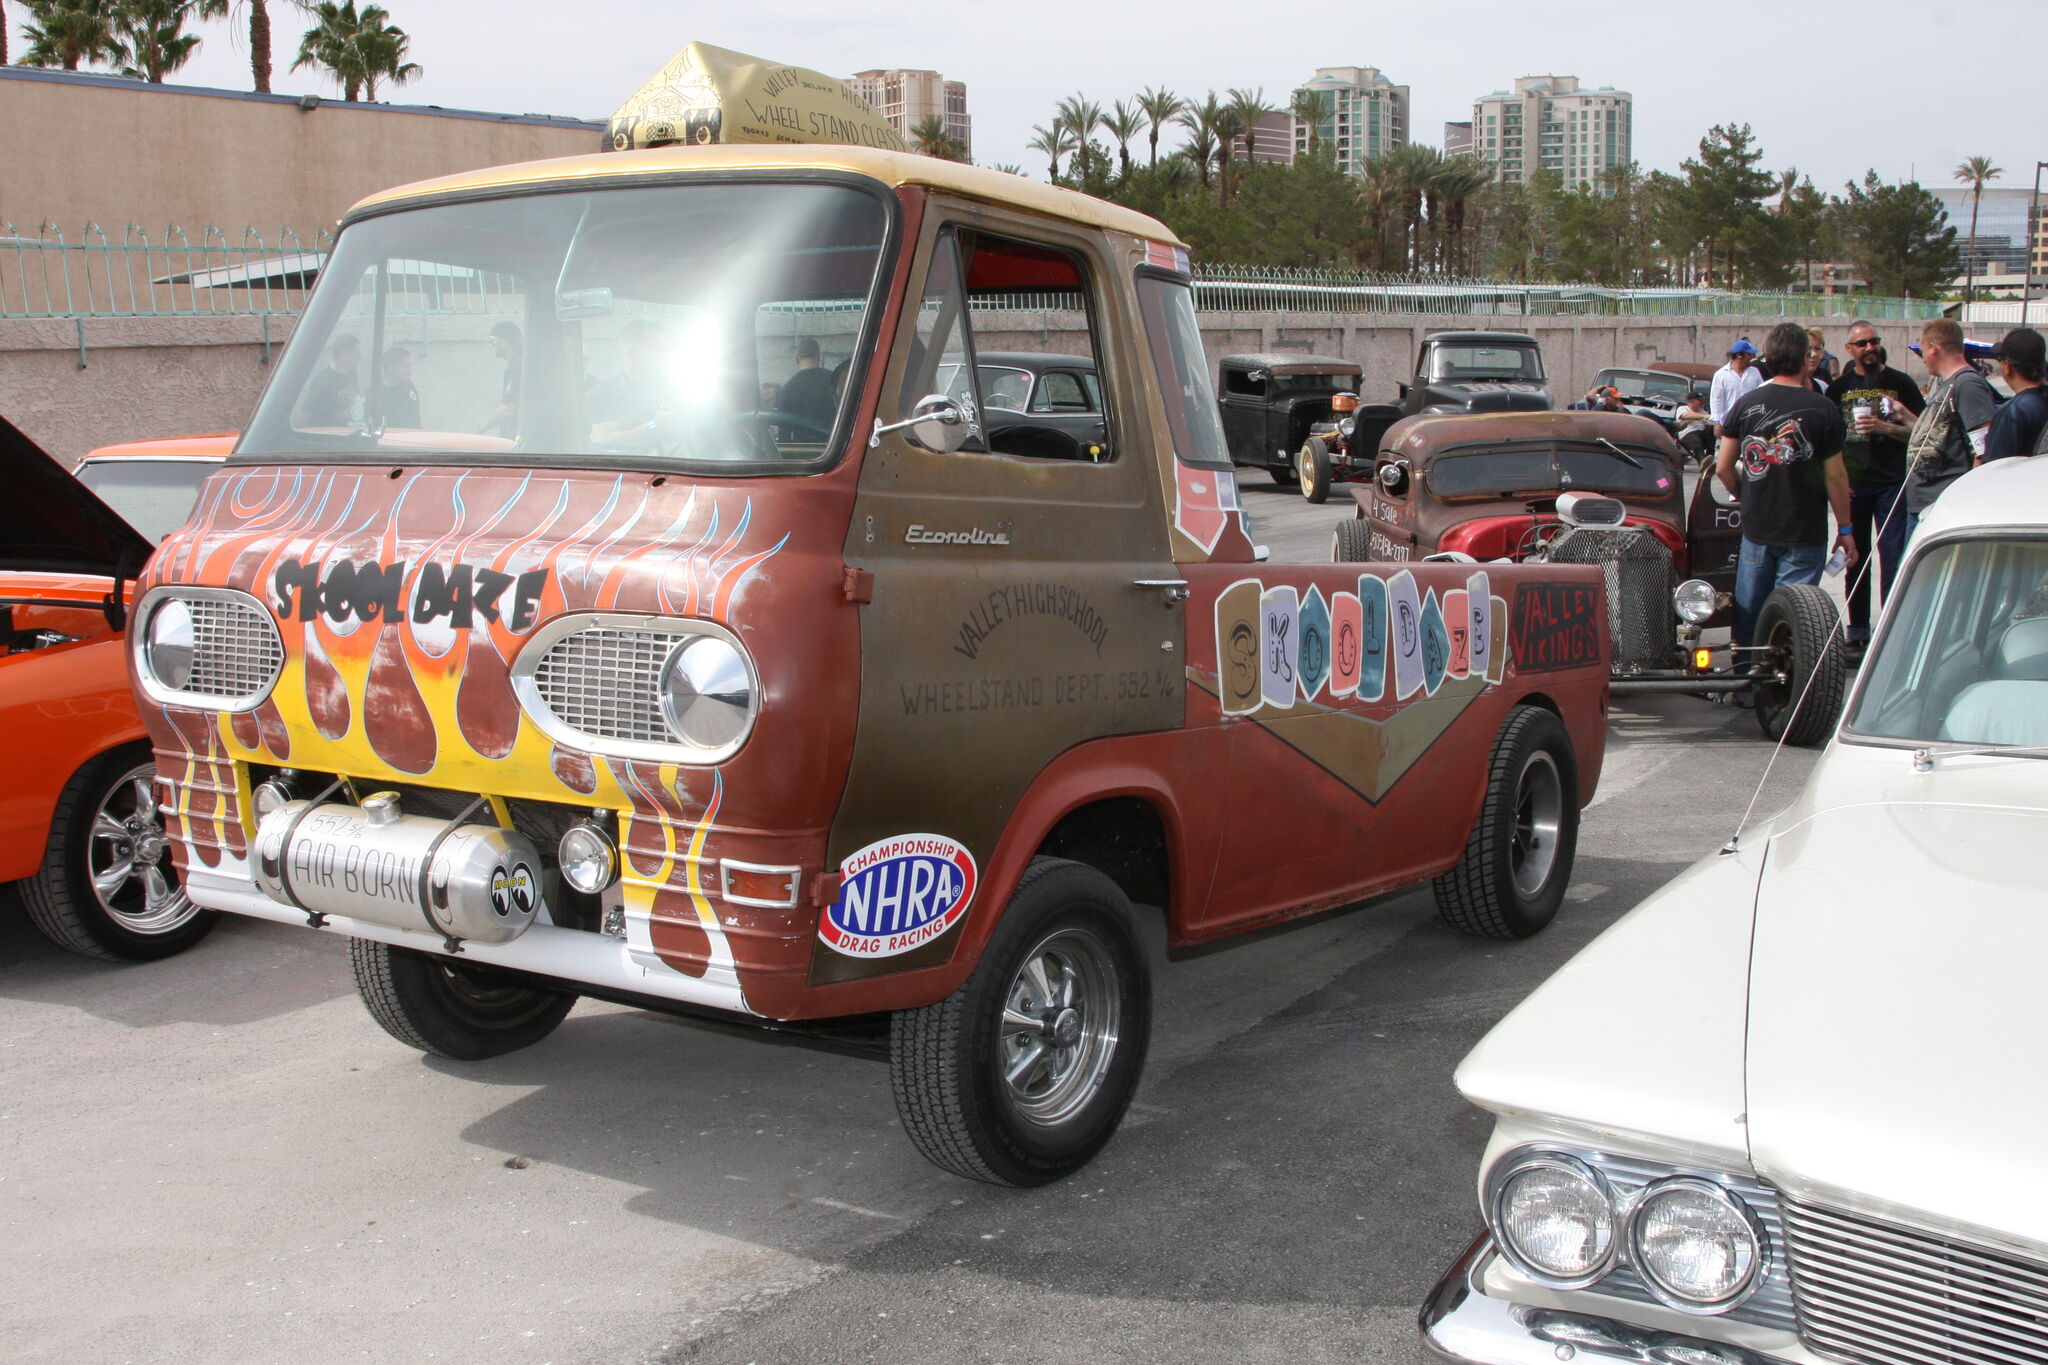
[(1549, 123), (1364, 115), (907, 98)]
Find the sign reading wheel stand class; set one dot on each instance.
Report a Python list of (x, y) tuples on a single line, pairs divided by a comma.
[(898, 894), (706, 95)]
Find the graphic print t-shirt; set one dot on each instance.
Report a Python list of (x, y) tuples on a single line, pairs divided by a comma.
[(1873, 461), (1783, 439)]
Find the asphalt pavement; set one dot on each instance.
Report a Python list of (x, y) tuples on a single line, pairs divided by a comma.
[(220, 1157)]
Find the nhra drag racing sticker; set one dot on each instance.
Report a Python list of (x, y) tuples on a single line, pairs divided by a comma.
[(898, 894)]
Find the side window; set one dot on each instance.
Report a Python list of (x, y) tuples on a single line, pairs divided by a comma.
[(975, 273), (1249, 383), (1175, 341), (1061, 391)]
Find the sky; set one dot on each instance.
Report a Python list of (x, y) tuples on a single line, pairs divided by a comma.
[(1909, 89)]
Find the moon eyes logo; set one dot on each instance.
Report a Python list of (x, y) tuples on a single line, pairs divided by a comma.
[(512, 892)]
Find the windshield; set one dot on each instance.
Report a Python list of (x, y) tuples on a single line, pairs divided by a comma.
[(1965, 655), (1655, 388), (153, 496), (714, 323), (1458, 362), (1283, 382), (1542, 469)]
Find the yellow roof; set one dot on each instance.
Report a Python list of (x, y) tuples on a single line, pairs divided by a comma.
[(891, 168)]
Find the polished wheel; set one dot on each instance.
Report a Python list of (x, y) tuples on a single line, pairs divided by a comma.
[(1059, 1027), (129, 861), (1539, 814)]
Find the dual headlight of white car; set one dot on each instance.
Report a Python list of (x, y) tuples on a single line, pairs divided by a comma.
[(1694, 1243)]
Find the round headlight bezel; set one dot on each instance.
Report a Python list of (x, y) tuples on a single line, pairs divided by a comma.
[(709, 677), (1501, 1184), (1695, 601), (595, 844), (172, 617), (1639, 1261)]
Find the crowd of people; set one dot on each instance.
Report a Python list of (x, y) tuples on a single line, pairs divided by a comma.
[(1847, 463)]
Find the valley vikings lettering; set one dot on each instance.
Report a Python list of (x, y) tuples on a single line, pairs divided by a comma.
[(898, 894)]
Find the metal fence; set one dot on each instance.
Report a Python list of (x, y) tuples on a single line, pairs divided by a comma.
[(48, 276)]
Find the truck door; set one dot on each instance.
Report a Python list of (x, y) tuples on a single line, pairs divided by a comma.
[(1243, 404), (1017, 602)]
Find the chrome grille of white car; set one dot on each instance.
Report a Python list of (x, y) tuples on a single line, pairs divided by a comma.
[(1771, 1303), (606, 682), (1877, 1293), (236, 652)]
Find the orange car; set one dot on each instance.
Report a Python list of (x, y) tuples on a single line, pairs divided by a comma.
[(79, 826)]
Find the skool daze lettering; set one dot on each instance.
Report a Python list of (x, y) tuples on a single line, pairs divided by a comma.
[(376, 592)]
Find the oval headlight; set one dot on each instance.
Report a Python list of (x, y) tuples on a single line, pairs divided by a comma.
[(1695, 1244), (1695, 601), (707, 692), (168, 644), (1346, 427), (1554, 1217)]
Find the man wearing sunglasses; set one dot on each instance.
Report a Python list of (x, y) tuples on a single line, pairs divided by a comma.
[(1878, 406)]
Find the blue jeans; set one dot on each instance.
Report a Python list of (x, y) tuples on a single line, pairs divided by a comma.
[(1762, 568), (1875, 512)]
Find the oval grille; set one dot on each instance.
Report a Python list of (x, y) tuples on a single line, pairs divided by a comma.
[(1880, 1293), (606, 682), (236, 653)]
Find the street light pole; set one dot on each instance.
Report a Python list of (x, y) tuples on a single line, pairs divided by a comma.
[(2033, 240)]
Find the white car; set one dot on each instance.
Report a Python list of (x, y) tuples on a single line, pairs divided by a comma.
[(1793, 1107)]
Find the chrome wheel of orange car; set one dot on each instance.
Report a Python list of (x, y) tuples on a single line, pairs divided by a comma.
[(107, 888), (1021, 1075)]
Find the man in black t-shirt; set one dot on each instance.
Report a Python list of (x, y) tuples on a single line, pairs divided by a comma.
[(1878, 407), (1781, 454)]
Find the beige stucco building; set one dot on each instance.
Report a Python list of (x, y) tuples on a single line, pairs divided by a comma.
[(1551, 123), (1365, 115), (98, 149), (906, 98)]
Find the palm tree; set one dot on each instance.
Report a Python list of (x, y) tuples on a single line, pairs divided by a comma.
[(259, 40), (1413, 168), (358, 49), (1311, 108), (1211, 127), (1122, 122), (1976, 173), (928, 136), (1160, 107), (1199, 151), (1082, 116), (1249, 106), (67, 32), (1461, 178), (152, 37), (1055, 142)]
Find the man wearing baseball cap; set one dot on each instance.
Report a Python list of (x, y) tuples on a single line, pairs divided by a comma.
[(2017, 426), (1733, 380)]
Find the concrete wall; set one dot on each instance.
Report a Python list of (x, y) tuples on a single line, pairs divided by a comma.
[(94, 149), (172, 376)]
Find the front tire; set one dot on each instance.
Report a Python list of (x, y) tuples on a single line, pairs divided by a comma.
[(1518, 859), (450, 1008), (107, 888), (1797, 629), (1351, 542), (1313, 466), (1021, 1076)]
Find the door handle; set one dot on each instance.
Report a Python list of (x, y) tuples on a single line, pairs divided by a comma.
[(1172, 589)]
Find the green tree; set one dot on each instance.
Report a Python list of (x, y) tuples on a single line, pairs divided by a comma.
[(358, 49), (1160, 107), (68, 33), (259, 41), (1082, 116), (1205, 123), (928, 137), (1722, 205), (1122, 123), (1054, 142), (1311, 109), (1463, 178), (152, 38), (1976, 172), (1897, 237), (1809, 218)]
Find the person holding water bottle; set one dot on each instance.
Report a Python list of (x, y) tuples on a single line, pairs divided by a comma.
[(1781, 455)]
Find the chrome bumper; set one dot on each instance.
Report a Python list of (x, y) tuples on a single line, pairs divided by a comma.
[(1461, 1323)]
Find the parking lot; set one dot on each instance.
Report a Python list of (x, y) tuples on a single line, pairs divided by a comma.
[(220, 1157)]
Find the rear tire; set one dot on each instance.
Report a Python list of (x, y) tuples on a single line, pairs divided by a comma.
[(1797, 625), (107, 888), (1283, 474), (450, 1008), (1021, 1076), (1518, 859), (1351, 542), (1313, 465)]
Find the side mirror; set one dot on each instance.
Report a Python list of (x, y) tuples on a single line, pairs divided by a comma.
[(937, 423), (1394, 477)]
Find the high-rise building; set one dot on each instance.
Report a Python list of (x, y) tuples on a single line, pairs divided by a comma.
[(1364, 115), (2002, 222), (1549, 123), (1271, 139), (907, 98), (1457, 139)]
